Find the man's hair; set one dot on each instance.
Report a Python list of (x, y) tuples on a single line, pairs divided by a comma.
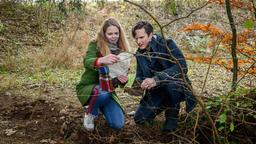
[(142, 24)]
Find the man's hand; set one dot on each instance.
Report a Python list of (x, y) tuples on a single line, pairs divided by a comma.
[(122, 78), (108, 59), (148, 83)]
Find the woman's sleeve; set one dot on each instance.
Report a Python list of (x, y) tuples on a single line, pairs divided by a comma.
[(91, 57)]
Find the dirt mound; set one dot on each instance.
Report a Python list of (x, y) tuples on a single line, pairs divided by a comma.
[(37, 121), (25, 25), (40, 121)]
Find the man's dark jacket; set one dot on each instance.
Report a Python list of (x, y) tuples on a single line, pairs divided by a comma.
[(162, 67)]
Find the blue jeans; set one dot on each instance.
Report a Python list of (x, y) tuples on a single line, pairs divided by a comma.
[(107, 105)]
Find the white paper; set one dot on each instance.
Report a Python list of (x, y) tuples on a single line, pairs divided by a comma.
[(122, 66)]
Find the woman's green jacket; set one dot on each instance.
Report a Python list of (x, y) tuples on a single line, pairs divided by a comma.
[(90, 77)]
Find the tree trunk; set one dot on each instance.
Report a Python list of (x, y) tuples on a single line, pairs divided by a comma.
[(233, 45), (254, 8)]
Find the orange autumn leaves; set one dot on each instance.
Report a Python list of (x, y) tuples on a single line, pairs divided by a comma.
[(213, 31), (236, 3), (246, 47)]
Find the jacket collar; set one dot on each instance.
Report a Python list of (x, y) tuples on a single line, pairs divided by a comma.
[(156, 39)]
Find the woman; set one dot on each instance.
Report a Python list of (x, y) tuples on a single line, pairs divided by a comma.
[(96, 88)]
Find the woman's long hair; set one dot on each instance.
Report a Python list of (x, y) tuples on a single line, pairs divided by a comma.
[(102, 41)]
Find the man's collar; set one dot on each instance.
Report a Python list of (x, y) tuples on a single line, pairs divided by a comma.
[(142, 50), (153, 42)]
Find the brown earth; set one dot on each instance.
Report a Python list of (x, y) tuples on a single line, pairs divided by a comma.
[(54, 115), (30, 121)]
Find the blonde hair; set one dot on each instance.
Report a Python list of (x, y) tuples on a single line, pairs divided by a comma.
[(102, 41)]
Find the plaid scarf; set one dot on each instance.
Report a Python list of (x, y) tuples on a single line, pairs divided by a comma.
[(92, 101), (106, 83)]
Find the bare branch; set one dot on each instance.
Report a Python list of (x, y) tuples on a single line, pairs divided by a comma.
[(210, 63), (192, 11), (146, 11), (246, 72), (233, 45), (215, 132)]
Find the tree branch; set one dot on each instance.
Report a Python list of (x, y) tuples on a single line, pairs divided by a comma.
[(254, 8), (210, 63), (215, 132), (192, 11), (233, 45), (146, 11)]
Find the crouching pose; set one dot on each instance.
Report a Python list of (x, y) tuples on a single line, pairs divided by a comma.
[(95, 90), (160, 77)]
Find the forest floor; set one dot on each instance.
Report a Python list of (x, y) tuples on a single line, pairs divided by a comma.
[(41, 107), (52, 114)]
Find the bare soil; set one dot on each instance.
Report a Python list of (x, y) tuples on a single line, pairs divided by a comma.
[(31, 121)]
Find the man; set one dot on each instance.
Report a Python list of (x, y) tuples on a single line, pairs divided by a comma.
[(161, 77)]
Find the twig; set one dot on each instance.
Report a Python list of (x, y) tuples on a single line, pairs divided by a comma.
[(254, 8), (192, 11), (185, 139), (142, 8), (246, 72), (196, 124), (210, 63), (246, 55), (215, 132), (206, 137)]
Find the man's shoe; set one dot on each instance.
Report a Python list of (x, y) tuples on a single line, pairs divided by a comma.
[(89, 121), (169, 126)]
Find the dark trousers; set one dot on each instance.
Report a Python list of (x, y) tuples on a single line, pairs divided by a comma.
[(165, 98)]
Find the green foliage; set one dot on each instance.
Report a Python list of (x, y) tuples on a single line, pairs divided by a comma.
[(223, 118), (76, 6), (41, 1), (58, 76), (2, 27), (170, 7), (232, 127), (61, 77), (44, 4), (101, 3), (249, 24), (233, 107), (131, 78), (23, 26), (59, 18)]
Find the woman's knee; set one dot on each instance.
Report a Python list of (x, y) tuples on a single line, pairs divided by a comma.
[(117, 126)]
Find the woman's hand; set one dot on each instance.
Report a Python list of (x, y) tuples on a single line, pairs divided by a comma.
[(108, 59), (122, 78), (148, 83)]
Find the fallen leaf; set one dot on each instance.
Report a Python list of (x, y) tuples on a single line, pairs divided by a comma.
[(10, 132)]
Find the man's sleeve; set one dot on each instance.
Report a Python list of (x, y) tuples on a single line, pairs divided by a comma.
[(172, 69), (139, 75)]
